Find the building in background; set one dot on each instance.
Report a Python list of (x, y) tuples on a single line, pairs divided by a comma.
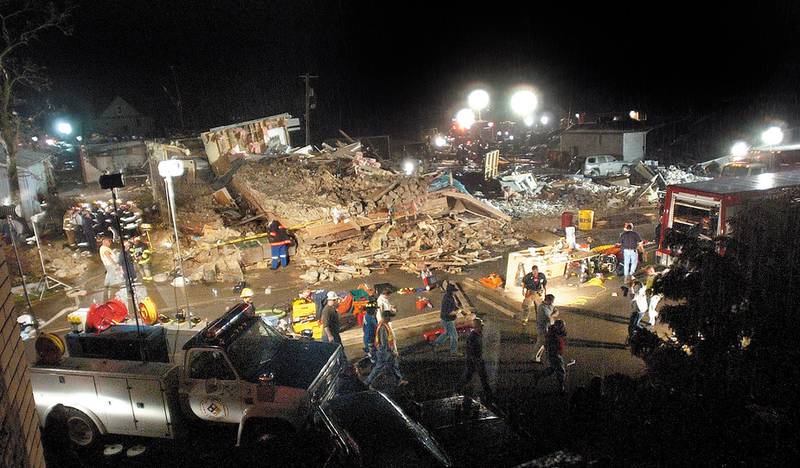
[(624, 138), (121, 119), (35, 178)]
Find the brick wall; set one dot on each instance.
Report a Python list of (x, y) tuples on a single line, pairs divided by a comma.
[(20, 443)]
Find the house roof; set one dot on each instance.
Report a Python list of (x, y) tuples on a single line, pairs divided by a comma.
[(614, 126), (119, 108), (755, 183)]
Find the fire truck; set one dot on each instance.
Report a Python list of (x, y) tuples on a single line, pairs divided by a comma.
[(704, 208)]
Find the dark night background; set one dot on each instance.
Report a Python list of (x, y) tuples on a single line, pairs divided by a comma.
[(398, 67)]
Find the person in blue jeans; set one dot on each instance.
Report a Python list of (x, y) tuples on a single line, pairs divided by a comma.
[(448, 318), (369, 327), (279, 241), (630, 242)]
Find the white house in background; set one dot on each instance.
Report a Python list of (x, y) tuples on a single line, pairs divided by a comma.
[(121, 119), (627, 138)]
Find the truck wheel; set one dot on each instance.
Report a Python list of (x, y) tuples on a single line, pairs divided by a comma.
[(594, 173), (626, 170), (81, 429)]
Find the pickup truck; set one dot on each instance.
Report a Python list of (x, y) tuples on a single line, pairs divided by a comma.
[(237, 370), (604, 165)]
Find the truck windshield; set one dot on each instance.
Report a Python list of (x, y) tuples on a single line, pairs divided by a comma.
[(252, 350)]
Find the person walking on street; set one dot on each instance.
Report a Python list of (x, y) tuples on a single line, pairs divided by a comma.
[(331, 326), (387, 358), (369, 327), (113, 273), (555, 355), (384, 304), (630, 242), (448, 318), (639, 306), (474, 361), (545, 315), (653, 298), (534, 288), (279, 241)]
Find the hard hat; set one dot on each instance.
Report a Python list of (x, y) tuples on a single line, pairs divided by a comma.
[(246, 292), (332, 296)]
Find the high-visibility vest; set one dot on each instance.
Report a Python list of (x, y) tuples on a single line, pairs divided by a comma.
[(389, 335)]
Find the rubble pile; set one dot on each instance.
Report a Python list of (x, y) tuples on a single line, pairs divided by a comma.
[(673, 175), (574, 193), (297, 191), (447, 243), (349, 222)]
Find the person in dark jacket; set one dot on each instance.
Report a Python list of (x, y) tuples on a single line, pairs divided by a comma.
[(279, 241), (126, 261), (474, 360), (448, 318), (89, 234), (369, 327), (555, 342)]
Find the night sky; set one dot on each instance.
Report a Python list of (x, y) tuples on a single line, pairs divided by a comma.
[(398, 67)]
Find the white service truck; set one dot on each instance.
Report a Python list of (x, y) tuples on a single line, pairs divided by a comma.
[(237, 370)]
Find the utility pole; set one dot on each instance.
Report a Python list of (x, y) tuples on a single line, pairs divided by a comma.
[(307, 79), (178, 101)]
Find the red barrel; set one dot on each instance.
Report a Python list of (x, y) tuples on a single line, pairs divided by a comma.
[(566, 219)]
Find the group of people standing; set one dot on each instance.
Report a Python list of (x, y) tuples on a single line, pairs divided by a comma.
[(84, 223)]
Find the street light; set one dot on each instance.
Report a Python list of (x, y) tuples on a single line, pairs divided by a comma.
[(524, 102), (478, 100), (772, 136), (63, 127), (465, 118), (740, 149)]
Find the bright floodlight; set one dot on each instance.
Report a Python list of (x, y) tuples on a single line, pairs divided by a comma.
[(740, 149), (544, 120), (523, 102), (528, 120), (440, 141), (465, 118), (408, 167), (170, 168), (772, 136), (478, 100), (64, 128)]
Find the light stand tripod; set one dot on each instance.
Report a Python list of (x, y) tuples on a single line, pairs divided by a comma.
[(6, 212), (47, 282)]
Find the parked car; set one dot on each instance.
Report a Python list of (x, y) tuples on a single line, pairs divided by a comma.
[(604, 165), (370, 429)]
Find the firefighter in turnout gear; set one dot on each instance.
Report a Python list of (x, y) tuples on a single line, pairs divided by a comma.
[(279, 241), (143, 257)]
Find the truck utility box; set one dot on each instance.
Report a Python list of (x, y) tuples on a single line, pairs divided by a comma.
[(121, 397), (120, 342)]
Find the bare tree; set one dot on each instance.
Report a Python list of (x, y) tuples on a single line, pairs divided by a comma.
[(21, 23)]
